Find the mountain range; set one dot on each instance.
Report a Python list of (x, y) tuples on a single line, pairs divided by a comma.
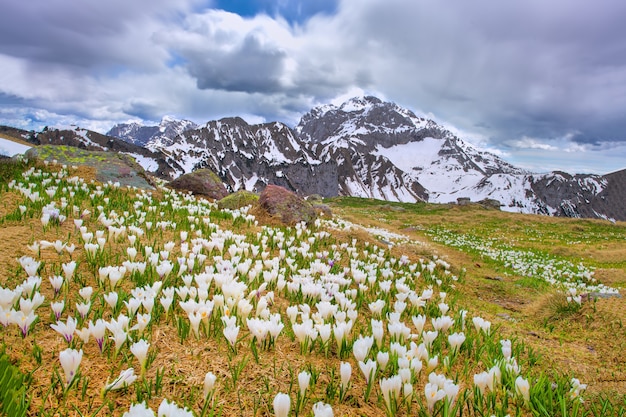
[(364, 147)]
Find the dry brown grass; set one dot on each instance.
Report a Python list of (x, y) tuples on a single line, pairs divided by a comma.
[(587, 344)]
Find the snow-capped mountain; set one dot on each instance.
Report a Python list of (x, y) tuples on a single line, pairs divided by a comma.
[(248, 156), (406, 152), (369, 148), (386, 151), (152, 136)]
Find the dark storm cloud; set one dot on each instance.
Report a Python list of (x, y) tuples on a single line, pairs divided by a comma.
[(249, 67), (88, 34)]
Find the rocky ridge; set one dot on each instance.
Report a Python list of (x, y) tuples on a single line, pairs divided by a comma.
[(364, 147)]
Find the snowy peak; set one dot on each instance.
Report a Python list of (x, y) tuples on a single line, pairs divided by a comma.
[(418, 151), (165, 132), (368, 118), (250, 156), (359, 104), (172, 127)]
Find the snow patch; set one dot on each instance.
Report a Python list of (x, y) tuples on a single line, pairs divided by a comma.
[(412, 155), (11, 148), (148, 164)]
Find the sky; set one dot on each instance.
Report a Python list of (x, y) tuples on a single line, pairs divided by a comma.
[(540, 83)]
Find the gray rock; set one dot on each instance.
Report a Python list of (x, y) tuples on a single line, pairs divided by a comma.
[(201, 182), (286, 206)]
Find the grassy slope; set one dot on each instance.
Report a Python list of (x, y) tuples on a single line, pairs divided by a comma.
[(588, 343)]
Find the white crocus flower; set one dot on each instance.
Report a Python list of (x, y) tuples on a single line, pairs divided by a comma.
[(125, 379), (481, 380), (57, 282), (83, 309), (86, 293), (209, 383), (361, 347), (321, 409), (111, 299), (382, 358), (66, 329), (368, 368), (230, 333), (140, 350), (456, 340), (98, 330), (522, 387), (282, 404), (57, 308), (139, 410), (433, 394), (304, 379), (70, 361)]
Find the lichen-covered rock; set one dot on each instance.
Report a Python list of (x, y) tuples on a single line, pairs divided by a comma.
[(286, 206), (241, 198), (490, 203), (201, 182), (323, 210), (315, 199), (109, 166)]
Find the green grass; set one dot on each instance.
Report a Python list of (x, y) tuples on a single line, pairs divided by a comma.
[(13, 388), (11, 169)]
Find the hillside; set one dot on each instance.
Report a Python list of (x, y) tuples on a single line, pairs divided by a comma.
[(451, 294)]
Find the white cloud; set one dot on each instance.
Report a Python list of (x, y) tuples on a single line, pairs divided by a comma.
[(530, 143)]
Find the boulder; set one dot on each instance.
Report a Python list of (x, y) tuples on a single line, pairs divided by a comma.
[(315, 199), (323, 210), (286, 206), (490, 203), (201, 182), (241, 198), (112, 167)]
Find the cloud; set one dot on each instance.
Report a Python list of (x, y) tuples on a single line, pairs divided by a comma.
[(530, 143), (499, 73), (532, 68), (224, 51), (86, 36)]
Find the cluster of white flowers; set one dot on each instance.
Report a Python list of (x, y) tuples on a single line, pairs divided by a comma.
[(392, 314), (557, 272)]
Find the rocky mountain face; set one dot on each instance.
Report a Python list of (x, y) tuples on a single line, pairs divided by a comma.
[(250, 157), (385, 151), (585, 196), (146, 136)]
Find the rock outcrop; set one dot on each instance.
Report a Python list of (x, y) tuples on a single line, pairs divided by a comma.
[(109, 167), (286, 206), (239, 199), (202, 182)]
